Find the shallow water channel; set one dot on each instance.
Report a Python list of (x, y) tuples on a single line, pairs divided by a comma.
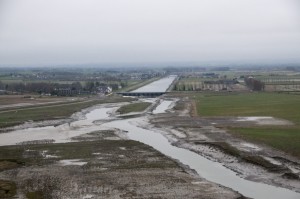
[(160, 85), (163, 107), (212, 171), (207, 169), (59, 134)]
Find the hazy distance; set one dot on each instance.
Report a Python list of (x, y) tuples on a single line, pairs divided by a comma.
[(58, 32)]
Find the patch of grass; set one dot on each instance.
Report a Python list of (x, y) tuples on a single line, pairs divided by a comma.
[(7, 189), (285, 106), (285, 139), (135, 107), (35, 195), (8, 164), (19, 116), (95, 135), (32, 99)]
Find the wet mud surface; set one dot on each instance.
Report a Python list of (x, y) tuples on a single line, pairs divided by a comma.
[(96, 167), (208, 137), (100, 162)]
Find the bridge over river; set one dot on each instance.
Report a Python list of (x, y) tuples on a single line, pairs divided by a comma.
[(153, 89)]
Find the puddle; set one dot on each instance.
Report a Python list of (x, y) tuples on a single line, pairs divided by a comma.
[(88, 196), (245, 119), (48, 156), (51, 156), (264, 120), (76, 162), (250, 146), (272, 160)]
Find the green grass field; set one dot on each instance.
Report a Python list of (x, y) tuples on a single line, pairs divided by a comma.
[(285, 139), (135, 107), (285, 106)]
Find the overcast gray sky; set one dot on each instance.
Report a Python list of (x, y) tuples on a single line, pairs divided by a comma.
[(45, 32)]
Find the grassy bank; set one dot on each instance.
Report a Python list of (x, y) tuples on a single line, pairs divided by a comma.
[(285, 106), (285, 139), (19, 116), (135, 107)]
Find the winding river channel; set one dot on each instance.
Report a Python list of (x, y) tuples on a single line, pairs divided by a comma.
[(137, 130), (212, 171)]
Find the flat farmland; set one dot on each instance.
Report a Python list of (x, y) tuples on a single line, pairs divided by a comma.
[(52, 111), (282, 106), (31, 99)]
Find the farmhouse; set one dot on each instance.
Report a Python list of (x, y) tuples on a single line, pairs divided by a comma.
[(103, 89)]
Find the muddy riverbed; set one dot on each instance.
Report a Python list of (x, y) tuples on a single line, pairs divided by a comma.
[(89, 160), (194, 159)]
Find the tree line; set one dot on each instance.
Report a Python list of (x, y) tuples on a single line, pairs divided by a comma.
[(51, 88)]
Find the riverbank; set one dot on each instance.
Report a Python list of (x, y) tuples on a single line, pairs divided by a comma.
[(100, 123), (197, 146), (254, 162), (99, 164), (50, 114)]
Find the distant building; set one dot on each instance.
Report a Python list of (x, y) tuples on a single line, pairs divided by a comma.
[(103, 89)]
